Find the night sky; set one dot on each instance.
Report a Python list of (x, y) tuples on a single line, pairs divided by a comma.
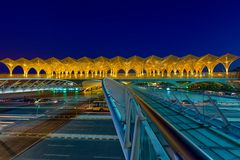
[(93, 28)]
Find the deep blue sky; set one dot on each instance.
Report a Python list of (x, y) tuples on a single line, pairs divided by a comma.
[(94, 28)]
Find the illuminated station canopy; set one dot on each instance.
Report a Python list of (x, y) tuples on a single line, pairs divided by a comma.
[(152, 66)]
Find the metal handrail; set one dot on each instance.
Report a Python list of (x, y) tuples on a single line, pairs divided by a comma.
[(181, 144), (134, 116)]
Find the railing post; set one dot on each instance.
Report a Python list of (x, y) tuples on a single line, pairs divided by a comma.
[(136, 149), (224, 119), (127, 142)]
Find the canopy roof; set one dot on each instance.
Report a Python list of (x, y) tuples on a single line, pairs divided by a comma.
[(169, 63)]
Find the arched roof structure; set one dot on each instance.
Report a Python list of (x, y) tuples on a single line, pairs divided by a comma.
[(103, 66), (85, 64), (153, 62), (208, 61), (118, 63), (8, 62)]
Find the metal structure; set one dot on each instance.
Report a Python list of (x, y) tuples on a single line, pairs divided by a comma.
[(208, 141), (139, 128), (179, 82), (210, 114), (119, 67), (136, 137), (14, 85)]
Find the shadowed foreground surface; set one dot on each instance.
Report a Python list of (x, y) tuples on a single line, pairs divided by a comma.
[(61, 133), (13, 145)]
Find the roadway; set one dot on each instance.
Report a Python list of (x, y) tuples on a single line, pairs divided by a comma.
[(16, 139), (81, 138), (60, 131)]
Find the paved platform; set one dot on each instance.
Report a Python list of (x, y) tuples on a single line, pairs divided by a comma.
[(67, 149), (87, 139), (93, 117)]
